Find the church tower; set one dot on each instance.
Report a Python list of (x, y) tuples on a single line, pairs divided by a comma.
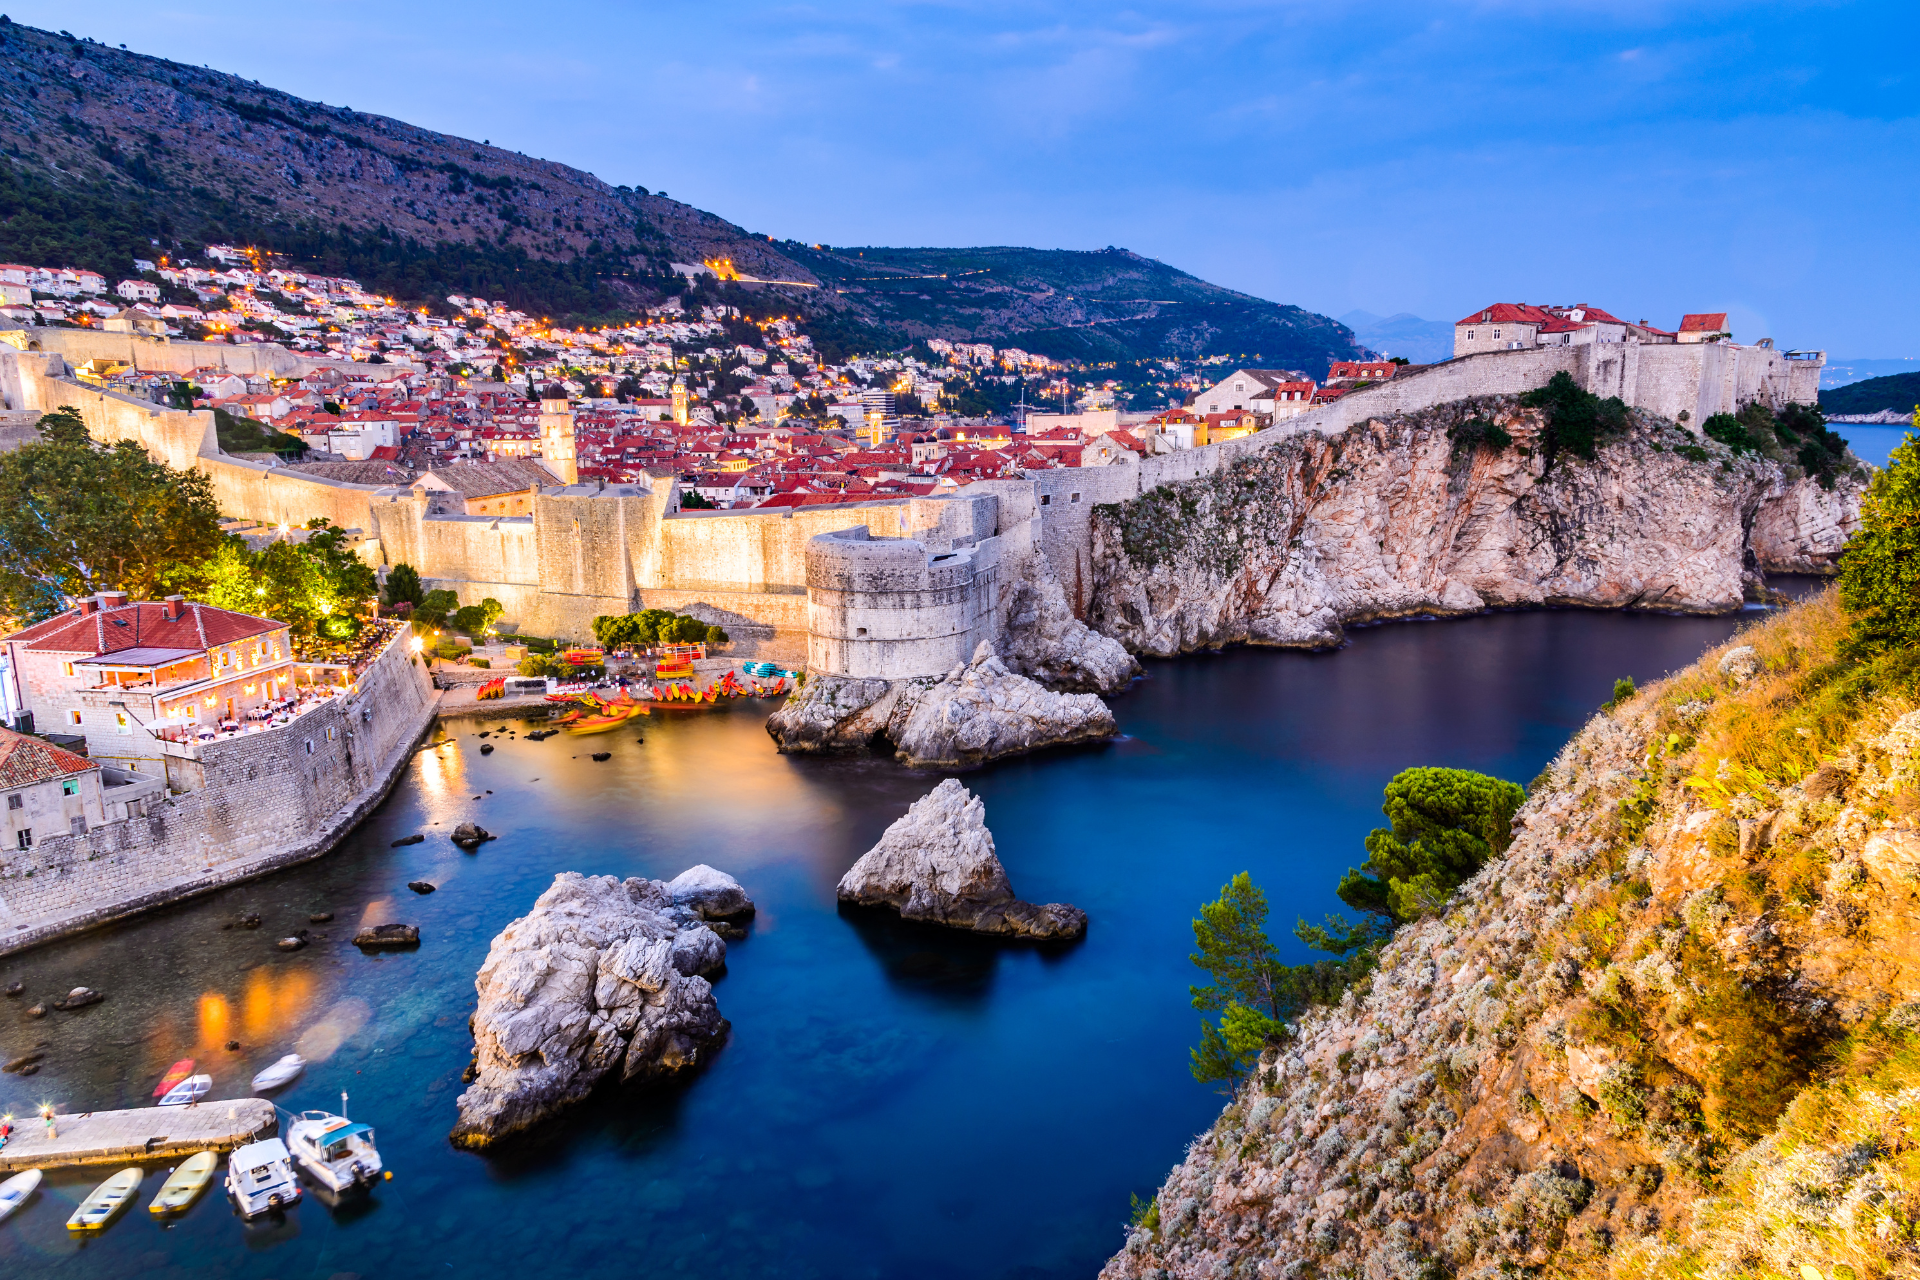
[(680, 401), (556, 434)]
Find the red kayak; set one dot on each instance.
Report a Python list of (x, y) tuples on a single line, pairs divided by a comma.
[(175, 1074)]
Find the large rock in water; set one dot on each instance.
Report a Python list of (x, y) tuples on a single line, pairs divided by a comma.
[(937, 864), (977, 712), (601, 975)]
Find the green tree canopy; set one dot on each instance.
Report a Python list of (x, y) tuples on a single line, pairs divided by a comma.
[(78, 517), (435, 608), (1880, 565), (1577, 420), (318, 587), (403, 585), (1446, 824)]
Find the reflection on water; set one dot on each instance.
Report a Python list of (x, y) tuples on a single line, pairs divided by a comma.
[(895, 1100)]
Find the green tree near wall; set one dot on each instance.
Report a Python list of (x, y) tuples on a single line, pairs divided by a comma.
[(1880, 565), (1577, 421), (319, 588), (403, 585), (78, 517)]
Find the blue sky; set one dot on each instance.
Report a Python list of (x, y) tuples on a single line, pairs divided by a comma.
[(1654, 158)]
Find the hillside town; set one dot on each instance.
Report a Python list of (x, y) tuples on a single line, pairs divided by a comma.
[(745, 411)]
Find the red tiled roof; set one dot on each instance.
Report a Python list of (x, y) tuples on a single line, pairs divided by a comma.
[(199, 627), (25, 761), (1507, 313), (1704, 322)]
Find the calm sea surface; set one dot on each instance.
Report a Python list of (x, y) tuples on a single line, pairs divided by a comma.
[(895, 1101)]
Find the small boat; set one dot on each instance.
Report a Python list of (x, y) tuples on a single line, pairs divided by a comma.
[(17, 1190), (279, 1073), (184, 1185), (192, 1089), (175, 1074), (260, 1178), (106, 1202), (334, 1151)]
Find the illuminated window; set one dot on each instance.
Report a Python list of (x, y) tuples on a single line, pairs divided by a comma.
[(121, 723), (73, 717), (66, 668)]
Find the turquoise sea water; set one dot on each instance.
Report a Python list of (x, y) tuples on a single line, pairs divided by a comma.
[(895, 1101)]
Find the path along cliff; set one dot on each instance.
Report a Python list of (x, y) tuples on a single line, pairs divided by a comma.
[(1675, 1030), (1419, 514)]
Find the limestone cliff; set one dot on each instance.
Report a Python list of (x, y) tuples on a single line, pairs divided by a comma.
[(1674, 1031), (1392, 518)]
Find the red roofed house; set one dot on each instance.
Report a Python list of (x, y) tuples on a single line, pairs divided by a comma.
[(1504, 326), (1361, 370), (125, 674), (1705, 326), (49, 792)]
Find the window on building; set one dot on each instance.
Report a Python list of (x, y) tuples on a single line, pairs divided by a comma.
[(69, 786), (1046, 499), (24, 837), (309, 746), (77, 825), (1073, 497), (120, 723), (14, 800), (66, 668), (73, 717)]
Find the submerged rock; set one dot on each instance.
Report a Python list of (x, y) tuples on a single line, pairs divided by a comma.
[(978, 711), (937, 864), (415, 838), (79, 998), (388, 935), (602, 975), (471, 835), (422, 886)]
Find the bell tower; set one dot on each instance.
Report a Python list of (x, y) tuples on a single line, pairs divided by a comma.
[(556, 434)]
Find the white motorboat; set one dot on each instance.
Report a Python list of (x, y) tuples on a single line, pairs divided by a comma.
[(260, 1178), (192, 1089), (279, 1073), (333, 1150), (16, 1191)]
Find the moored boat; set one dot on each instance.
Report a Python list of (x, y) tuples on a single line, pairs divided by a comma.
[(175, 1074), (279, 1073), (192, 1089), (334, 1151), (184, 1185), (260, 1178), (106, 1201), (17, 1190)]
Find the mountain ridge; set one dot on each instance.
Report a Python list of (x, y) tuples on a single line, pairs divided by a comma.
[(110, 150)]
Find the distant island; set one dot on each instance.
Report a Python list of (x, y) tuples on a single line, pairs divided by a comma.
[(1897, 393)]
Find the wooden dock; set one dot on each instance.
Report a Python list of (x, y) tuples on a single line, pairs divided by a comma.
[(125, 1137)]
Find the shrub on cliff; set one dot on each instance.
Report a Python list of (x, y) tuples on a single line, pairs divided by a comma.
[(1577, 421), (1880, 566), (1446, 824)]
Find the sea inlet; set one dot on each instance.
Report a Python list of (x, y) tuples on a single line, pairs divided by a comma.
[(895, 1101)]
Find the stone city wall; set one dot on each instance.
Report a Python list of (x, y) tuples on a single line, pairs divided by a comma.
[(267, 800)]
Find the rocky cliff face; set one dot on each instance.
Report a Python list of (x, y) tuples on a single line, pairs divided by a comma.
[(601, 974), (977, 712), (1046, 643), (1671, 1032), (1392, 519)]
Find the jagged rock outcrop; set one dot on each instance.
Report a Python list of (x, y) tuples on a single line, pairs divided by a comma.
[(1585, 1064), (977, 712), (1391, 518), (936, 863), (602, 974), (1045, 642)]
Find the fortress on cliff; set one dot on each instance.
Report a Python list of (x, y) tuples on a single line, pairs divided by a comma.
[(890, 588)]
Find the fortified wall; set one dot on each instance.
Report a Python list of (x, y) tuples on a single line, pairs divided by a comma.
[(260, 801), (591, 549)]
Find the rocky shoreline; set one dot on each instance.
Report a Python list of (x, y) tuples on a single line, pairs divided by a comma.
[(978, 711)]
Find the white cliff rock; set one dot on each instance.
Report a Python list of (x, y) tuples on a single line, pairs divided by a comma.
[(601, 975), (1391, 519), (977, 712), (1045, 642), (937, 863)]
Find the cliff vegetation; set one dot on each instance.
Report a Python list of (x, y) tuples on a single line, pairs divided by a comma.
[(1673, 1031)]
